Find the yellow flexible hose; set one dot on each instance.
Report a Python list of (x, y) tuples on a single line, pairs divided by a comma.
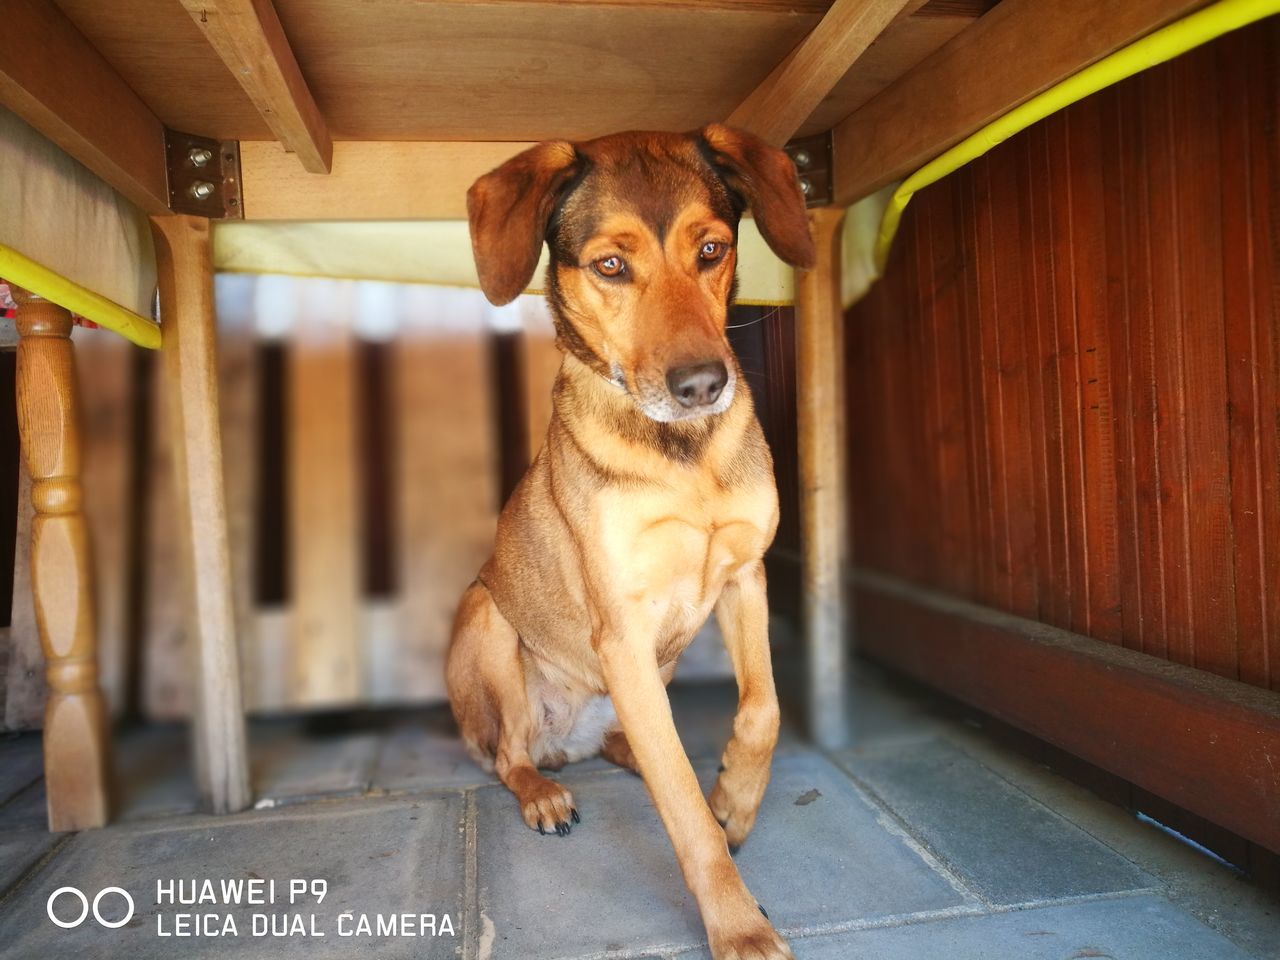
[(1156, 47), (43, 282)]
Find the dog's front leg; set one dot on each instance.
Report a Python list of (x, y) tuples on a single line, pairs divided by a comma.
[(736, 928), (743, 614)]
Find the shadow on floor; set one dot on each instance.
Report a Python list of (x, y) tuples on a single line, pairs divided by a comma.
[(923, 839)]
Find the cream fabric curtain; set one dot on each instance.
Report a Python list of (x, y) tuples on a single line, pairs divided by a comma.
[(55, 213), (434, 252)]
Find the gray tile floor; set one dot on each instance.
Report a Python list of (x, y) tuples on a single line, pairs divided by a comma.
[(924, 839)]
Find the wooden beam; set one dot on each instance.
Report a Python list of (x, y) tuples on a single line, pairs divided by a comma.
[(247, 35), (778, 107), (1203, 742), (1016, 51), (820, 417), (185, 272), (370, 180), (56, 81)]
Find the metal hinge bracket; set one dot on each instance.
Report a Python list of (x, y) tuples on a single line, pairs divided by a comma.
[(813, 159), (204, 176)]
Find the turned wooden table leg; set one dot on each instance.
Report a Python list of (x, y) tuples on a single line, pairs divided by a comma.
[(75, 720), (823, 515), (187, 319)]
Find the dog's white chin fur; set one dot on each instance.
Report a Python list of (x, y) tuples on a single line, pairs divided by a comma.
[(667, 409)]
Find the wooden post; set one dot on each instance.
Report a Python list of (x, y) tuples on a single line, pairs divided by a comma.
[(821, 441), (190, 363), (75, 720)]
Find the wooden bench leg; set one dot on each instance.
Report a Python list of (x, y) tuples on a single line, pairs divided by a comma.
[(76, 740), (190, 359), (823, 514)]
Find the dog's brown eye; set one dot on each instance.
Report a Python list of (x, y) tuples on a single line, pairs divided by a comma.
[(610, 266), (711, 251)]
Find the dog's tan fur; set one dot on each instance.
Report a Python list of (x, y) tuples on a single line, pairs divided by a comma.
[(638, 517)]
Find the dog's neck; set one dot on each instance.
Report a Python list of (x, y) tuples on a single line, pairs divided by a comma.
[(597, 413)]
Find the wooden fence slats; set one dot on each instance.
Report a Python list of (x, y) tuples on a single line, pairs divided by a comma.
[(323, 499), (239, 416), (104, 363), (446, 473)]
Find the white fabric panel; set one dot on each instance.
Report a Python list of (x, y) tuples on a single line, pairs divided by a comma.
[(433, 252), (57, 213)]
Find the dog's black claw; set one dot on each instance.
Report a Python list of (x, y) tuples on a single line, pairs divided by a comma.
[(764, 911), (723, 822), (541, 831), (733, 852), (574, 813), (720, 769), (563, 828)]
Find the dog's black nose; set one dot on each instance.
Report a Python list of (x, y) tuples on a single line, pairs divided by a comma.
[(698, 385)]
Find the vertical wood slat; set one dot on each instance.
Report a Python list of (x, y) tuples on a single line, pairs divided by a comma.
[(167, 689), (185, 277), (238, 417), (1211, 542), (325, 662), (105, 367), (447, 472)]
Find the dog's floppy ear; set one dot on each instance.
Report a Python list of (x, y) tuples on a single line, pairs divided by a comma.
[(509, 209), (765, 178)]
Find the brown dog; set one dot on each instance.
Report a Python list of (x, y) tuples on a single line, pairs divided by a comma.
[(652, 501)]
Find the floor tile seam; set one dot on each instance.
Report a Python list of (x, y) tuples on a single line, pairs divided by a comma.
[(11, 891), (891, 820), (960, 745)]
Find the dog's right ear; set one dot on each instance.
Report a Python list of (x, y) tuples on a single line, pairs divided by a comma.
[(509, 209)]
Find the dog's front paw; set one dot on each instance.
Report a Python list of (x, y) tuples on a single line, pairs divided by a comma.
[(735, 800), (547, 807), (754, 941)]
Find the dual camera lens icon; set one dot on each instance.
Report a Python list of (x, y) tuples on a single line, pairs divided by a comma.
[(77, 894)]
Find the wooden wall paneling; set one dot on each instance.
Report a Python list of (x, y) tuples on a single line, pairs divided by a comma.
[(1099, 612), (27, 691), (1167, 290), (946, 334), (1000, 587), (325, 659), (105, 369), (1116, 191), (1014, 305), (1210, 538), (1251, 261), (1043, 384), (1148, 618), (447, 471), (240, 415), (1063, 393), (979, 424)]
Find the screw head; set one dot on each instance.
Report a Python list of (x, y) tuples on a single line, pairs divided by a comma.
[(201, 190), (199, 156), (805, 186), (801, 158)]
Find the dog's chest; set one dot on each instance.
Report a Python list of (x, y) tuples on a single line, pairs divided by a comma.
[(671, 556)]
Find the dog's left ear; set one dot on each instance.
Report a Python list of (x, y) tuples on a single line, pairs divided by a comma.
[(765, 178), (509, 209)]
